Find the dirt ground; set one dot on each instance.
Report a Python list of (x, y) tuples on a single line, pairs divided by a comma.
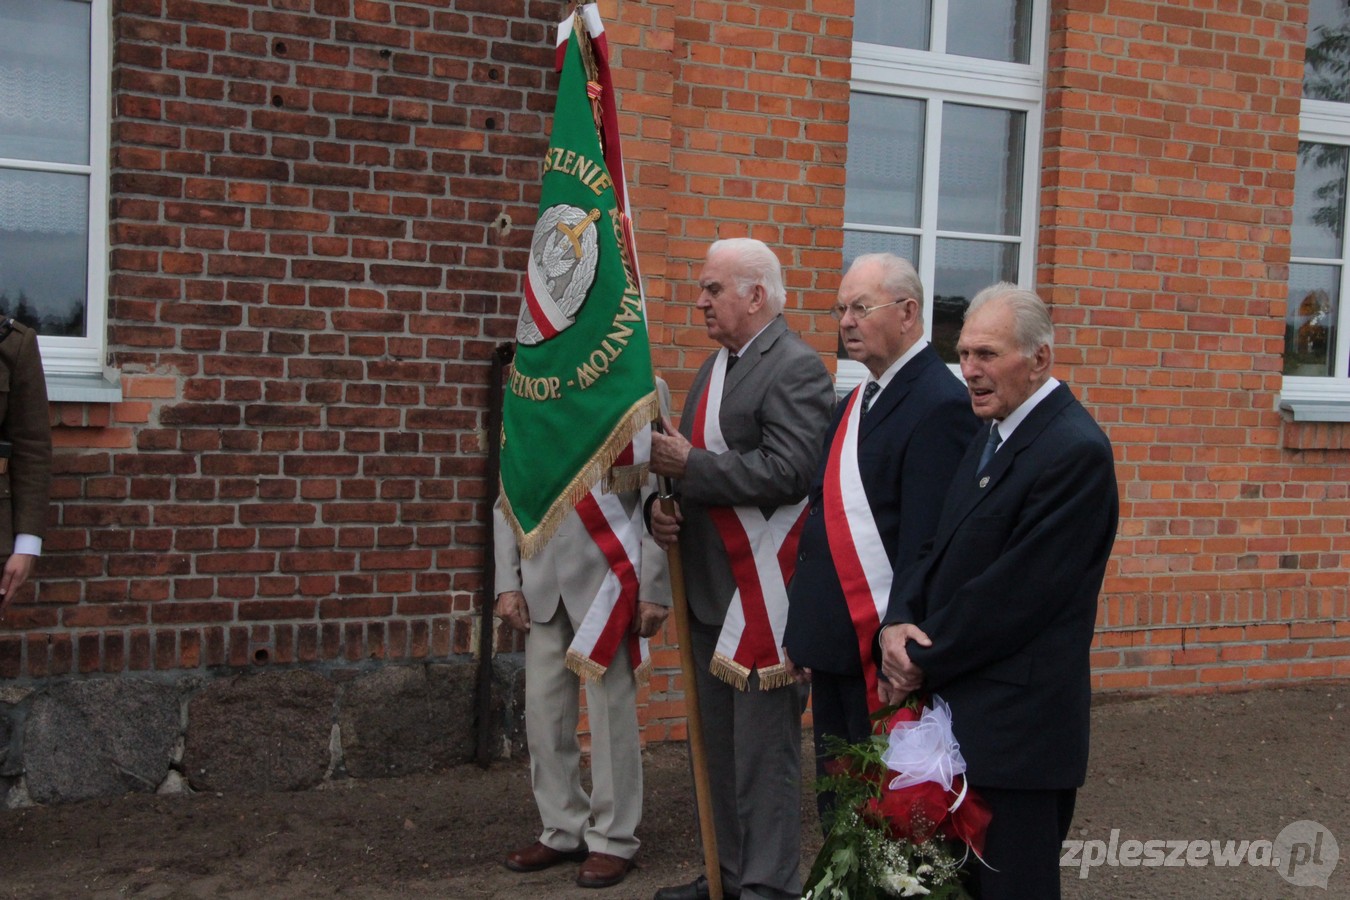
[(1194, 768)]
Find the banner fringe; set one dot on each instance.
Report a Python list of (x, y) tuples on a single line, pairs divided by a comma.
[(774, 677), (639, 415), (730, 671), (625, 478), (738, 676), (583, 666)]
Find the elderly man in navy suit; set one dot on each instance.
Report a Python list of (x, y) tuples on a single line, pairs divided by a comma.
[(891, 452), (998, 617)]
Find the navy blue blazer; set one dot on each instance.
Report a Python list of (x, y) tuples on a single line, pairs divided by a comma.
[(909, 445), (1008, 595)]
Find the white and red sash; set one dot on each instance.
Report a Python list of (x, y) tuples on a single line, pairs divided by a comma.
[(608, 623), (859, 556), (762, 553)]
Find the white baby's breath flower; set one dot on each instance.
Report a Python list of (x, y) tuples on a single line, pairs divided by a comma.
[(904, 884)]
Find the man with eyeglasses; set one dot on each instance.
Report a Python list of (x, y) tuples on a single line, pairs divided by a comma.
[(890, 455)]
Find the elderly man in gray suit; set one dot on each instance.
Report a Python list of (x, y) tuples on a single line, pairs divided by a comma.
[(556, 598), (747, 447)]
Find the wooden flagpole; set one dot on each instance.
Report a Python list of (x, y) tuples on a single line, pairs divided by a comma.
[(698, 758)]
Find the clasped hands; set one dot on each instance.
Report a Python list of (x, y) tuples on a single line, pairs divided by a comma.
[(903, 677), (512, 609)]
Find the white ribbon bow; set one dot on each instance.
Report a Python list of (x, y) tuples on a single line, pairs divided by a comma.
[(925, 750)]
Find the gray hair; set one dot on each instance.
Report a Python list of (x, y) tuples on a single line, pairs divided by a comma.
[(1031, 317), (759, 265), (898, 277)]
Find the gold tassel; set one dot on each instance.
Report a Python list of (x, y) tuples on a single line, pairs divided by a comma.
[(583, 666), (773, 677), (730, 671), (625, 478), (738, 676), (638, 417)]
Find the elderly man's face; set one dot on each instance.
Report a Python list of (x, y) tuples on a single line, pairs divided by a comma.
[(727, 312), (999, 376), (879, 338)]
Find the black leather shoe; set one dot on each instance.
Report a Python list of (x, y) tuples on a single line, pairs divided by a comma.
[(694, 890)]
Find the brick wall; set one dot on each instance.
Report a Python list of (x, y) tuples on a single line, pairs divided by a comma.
[(319, 215), (317, 208), (1171, 134)]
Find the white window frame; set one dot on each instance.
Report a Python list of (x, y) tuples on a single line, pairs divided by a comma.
[(1312, 398), (938, 78), (75, 366)]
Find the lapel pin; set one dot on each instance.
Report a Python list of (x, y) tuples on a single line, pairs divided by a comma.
[(984, 481)]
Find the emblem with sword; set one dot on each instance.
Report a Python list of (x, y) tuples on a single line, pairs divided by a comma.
[(563, 256)]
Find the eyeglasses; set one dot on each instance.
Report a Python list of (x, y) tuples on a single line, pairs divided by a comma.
[(859, 311)]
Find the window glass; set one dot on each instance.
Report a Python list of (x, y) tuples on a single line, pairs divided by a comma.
[(885, 160), (1319, 200), (54, 85), (44, 81), (944, 140), (44, 241), (981, 178), (895, 23), (964, 268), (1328, 51), (857, 243), (998, 31), (1310, 320)]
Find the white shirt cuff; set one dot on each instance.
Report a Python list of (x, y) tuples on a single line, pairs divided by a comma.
[(29, 544)]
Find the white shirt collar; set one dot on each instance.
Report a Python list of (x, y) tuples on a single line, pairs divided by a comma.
[(899, 364), (1017, 416), (746, 345)]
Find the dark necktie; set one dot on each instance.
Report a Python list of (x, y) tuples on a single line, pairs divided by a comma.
[(869, 391), (731, 360), (994, 440)]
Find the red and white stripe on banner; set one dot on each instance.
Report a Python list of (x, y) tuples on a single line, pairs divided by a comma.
[(608, 624), (609, 115), (548, 317), (859, 556), (763, 556)]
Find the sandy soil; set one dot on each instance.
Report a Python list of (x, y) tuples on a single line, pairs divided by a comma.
[(1227, 767)]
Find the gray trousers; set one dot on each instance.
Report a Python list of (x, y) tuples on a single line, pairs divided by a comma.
[(753, 742), (607, 819)]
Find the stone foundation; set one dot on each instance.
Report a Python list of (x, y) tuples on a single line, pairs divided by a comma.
[(63, 741)]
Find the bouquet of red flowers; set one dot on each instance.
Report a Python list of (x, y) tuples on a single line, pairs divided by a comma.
[(904, 822)]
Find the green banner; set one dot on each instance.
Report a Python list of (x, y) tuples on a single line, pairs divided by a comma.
[(582, 382)]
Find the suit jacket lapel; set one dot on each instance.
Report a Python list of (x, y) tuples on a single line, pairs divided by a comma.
[(747, 363), (886, 402), (968, 490)]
